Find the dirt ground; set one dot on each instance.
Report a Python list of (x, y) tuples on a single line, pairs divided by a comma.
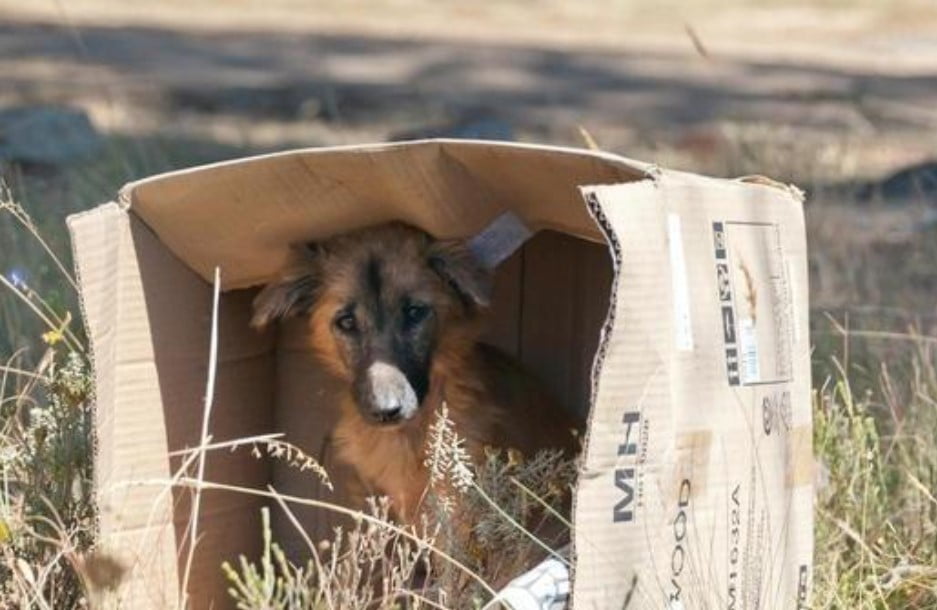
[(679, 83)]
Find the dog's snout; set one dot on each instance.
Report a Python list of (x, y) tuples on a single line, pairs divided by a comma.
[(391, 396)]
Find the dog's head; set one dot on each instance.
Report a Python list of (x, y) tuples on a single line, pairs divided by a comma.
[(381, 304)]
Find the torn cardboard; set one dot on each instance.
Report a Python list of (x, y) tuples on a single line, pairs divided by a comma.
[(670, 308)]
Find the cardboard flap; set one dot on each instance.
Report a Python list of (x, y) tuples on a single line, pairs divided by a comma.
[(701, 401), (243, 215), (147, 317), (133, 527)]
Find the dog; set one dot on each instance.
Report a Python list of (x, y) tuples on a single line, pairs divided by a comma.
[(397, 316)]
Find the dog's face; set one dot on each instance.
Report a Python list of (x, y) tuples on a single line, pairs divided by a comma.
[(381, 304)]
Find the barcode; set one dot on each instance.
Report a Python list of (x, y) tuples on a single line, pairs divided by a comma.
[(748, 346)]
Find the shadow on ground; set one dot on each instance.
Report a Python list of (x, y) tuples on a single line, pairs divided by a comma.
[(363, 79)]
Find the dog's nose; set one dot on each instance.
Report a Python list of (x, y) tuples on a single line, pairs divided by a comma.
[(390, 414), (391, 398)]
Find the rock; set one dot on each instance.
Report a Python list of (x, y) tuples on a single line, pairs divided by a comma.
[(915, 184), (49, 135)]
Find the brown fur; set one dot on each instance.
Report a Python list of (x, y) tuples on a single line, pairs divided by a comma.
[(491, 400)]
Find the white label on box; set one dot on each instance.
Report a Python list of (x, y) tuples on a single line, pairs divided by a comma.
[(683, 327), (748, 346), (755, 302)]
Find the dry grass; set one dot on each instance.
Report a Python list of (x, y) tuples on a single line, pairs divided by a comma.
[(368, 566), (877, 512), (482, 527), (46, 514)]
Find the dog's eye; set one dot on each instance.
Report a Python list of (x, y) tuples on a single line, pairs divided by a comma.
[(414, 314), (346, 322)]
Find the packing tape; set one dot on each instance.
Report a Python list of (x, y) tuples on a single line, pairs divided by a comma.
[(692, 461), (800, 464), (499, 240)]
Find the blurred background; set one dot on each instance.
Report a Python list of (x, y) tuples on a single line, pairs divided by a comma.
[(839, 97)]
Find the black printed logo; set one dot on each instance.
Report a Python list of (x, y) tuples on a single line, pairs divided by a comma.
[(722, 281), (728, 324), (803, 587), (724, 286), (732, 365), (719, 239), (629, 475)]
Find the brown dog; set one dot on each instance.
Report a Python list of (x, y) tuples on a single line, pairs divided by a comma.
[(397, 315)]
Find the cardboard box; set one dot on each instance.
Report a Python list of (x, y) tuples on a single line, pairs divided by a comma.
[(670, 307)]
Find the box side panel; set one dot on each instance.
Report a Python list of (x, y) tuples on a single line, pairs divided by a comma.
[(134, 522), (743, 393), (503, 329), (616, 502), (564, 301), (178, 312), (706, 492)]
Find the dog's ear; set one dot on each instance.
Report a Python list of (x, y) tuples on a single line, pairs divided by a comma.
[(455, 264), (293, 294)]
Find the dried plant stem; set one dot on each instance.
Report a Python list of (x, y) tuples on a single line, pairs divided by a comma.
[(553, 512), (354, 514), (15, 210), (500, 511), (204, 438), (232, 444), (72, 343), (31, 374)]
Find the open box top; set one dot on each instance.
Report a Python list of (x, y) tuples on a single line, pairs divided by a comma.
[(242, 215), (677, 320)]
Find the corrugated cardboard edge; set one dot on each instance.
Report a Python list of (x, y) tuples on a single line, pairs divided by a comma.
[(594, 207), (125, 196), (611, 239), (76, 225), (595, 210), (796, 193), (100, 239)]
